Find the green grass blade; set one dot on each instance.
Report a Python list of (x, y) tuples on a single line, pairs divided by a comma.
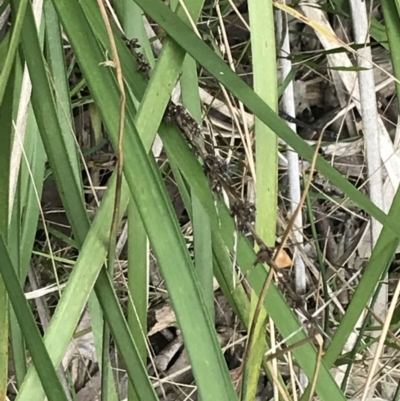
[(6, 117), (137, 284), (48, 123), (262, 32), (266, 86), (138, 251), (203, 257), (16, 336), (31, 189), (59, 80)]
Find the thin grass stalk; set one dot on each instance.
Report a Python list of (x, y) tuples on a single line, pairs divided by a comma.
[(288, 107), (203, 258), (6, 116), (97, 320), (30, 185), (203, 253), (138, 245), (261, 17), (138, 281), (266, 86), (201, 226), (106, 363), (14, 246), (95, 312), (17, 342), (13, 240), (31, 179), (29, 210), (50, 32)]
